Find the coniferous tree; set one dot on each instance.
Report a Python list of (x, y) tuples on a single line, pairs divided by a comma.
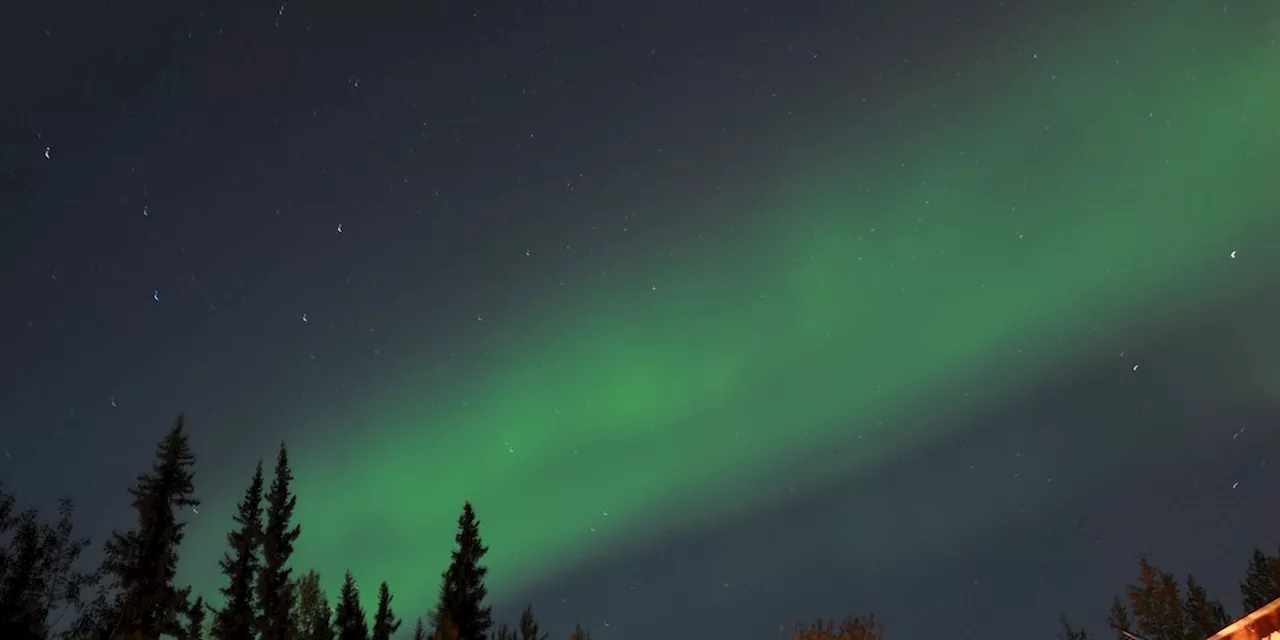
[(1204, 616), (529, 625), (503, 632), (385, 622), (1070, 631), (1261, 582), (238, 619), (312, 616), (275, 587), (141, 563), (195, 621), (8, 502), (419, 630), (37, 572), (349, 619), (1118, 618), (462, 591)]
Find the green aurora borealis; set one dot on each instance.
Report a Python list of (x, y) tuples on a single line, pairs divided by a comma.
[(1022, 215)]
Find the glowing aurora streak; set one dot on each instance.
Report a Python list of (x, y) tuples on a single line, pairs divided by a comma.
[(1102, 182)]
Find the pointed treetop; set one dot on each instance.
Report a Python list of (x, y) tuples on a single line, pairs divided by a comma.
[(529, 625), (385, 622)]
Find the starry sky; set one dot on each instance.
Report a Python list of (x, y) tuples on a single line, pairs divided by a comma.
[(724, 315)]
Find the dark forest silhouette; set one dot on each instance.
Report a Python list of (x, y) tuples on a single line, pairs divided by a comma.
[(132, 595)]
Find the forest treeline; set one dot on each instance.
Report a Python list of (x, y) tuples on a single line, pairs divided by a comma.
[(133, 594), (1157, 606)]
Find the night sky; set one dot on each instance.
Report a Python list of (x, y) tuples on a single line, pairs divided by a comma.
[(724, 315)]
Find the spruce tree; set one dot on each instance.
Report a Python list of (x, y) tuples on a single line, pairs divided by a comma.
[(141, 563), (385, 622), (349, 622), (503, 632), (1204, 616), (8, 503), (529, 625), (1261, 582), (462, 590), (312, 616), (275, 588), (195, 621), (419, 630), (238, 619)]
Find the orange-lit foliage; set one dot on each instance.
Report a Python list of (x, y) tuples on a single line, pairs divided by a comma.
[(852, 628)]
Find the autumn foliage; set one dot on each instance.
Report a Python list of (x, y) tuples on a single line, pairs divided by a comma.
[(851, 628)]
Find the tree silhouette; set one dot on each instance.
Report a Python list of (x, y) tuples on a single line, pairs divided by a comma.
[(141, 563), (349, 622), (419, 630), (529, 625), (462, 590), (195, 621), (312, 617), (385, 622), (19, 612), (1158, 610), (1202, 615), (275, 588), (579, 633), (37, 572), (1119, 619), (237, 619), (1069, 631), (1261, 582), (1156, 603)]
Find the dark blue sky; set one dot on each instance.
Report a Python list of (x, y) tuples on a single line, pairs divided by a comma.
[(172, 177)]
